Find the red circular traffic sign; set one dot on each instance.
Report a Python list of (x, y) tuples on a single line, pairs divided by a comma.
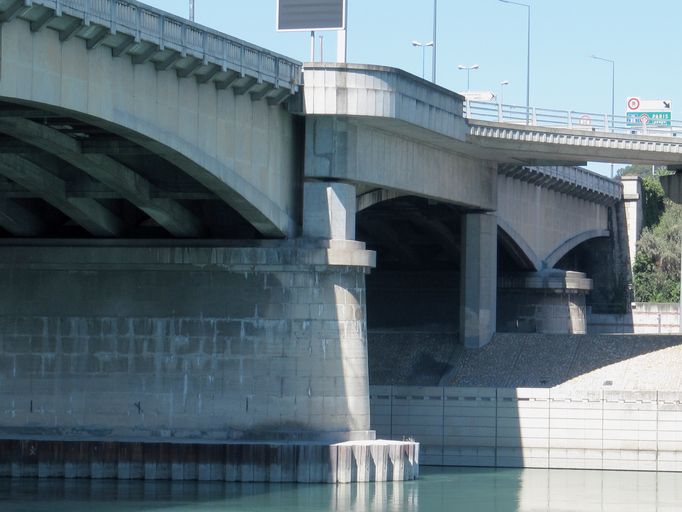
[(633, 103)]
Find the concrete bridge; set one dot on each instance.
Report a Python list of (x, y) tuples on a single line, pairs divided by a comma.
[(188, 228)]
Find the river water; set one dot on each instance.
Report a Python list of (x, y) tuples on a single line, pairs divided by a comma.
[(438, 489)]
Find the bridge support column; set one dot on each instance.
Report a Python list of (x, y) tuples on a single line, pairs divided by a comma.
[(478, 279), (549, 302), (329, 210)]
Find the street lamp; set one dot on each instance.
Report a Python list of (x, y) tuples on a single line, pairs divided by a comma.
[(468, 70), (502, 84), (527, 6), (613, 93), (423, 46), (191, 10)]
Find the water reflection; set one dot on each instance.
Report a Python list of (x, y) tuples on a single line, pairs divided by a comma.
[(483, 490)]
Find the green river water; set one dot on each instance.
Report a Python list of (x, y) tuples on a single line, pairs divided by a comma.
[(438, 489)]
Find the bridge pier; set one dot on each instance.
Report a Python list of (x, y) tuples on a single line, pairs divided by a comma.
[(548, 302), (165, 344), (478, 304)]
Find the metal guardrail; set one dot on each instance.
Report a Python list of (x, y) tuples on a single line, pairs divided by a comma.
[(533, 116), (156, 26)]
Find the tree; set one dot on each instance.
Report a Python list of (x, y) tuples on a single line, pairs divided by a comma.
[(657, 264)]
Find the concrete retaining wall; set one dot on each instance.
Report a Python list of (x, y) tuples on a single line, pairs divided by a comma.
[(534, 427), (644, 318)]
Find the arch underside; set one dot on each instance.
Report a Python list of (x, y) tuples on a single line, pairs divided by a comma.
[(65, 174)]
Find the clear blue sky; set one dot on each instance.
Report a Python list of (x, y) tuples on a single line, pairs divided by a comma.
[(642, 37)]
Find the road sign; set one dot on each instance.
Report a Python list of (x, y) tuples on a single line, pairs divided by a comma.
[(648, 112), (478, 95), (311, 15)]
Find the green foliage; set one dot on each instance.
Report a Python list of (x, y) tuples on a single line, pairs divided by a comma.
[(640, 170), (657, 264), (653, 198)]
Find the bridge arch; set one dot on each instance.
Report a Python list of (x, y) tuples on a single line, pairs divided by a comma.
[(520, 251), (234, 143), (555, 256)]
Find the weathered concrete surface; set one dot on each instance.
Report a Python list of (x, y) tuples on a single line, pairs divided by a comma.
[(379, 126), (355, 461), (243, 150), (547, 223), (175, 342)]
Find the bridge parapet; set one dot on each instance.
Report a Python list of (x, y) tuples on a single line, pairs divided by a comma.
[(146, 33), (574, 181)]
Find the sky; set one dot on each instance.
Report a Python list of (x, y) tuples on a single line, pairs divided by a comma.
[(642, 37)]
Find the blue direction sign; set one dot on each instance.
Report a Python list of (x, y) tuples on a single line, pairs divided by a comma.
[(648, 112)]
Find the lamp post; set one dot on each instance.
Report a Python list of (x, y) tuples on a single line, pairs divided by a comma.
[(527, 6), (502, 84), (613, 93), (433, 54), (419, 44), (191, 10), (468, 70)]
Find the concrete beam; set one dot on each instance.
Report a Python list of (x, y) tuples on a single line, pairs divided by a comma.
[(172, 216), (206, 77), (168, 62), (90, 214), (145, 55), (70, 31), (97, 39), (123, 47), (259, 95), (40, 23), (245, 87), (13, 11), (18, 220), (191, 68), (232, 77)]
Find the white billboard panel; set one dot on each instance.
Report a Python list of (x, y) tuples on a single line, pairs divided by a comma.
[(311, 15)]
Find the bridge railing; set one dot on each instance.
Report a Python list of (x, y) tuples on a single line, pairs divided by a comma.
[(551, 118), (158, 27)]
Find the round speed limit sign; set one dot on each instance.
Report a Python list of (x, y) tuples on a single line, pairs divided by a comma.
[(633, 103)]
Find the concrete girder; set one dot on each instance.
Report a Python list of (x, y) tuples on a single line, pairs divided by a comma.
[(18, 220), (172, 216), (90, 214)]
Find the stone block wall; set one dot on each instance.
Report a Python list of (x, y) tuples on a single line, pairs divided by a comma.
[(241, 343)]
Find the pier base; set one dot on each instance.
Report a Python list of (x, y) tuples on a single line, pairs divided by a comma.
[(351, 461)]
